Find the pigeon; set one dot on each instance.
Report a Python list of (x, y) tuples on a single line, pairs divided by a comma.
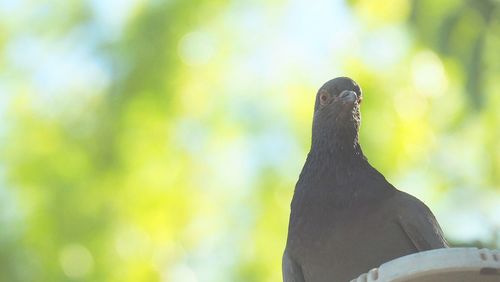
[(346, 218)]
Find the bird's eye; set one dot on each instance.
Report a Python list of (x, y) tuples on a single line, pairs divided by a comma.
[(323, 98)]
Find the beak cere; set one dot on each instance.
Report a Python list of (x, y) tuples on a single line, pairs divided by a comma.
[(348, 96)]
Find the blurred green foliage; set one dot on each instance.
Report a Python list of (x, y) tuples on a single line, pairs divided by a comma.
[(161, 140)]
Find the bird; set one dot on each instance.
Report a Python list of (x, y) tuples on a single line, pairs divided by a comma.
[(345, 217)]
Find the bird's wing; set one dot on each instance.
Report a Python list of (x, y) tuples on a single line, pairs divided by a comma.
[(421, 227), (292, 272)]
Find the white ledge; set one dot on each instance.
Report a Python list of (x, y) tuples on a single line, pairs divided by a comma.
[(443, 265)]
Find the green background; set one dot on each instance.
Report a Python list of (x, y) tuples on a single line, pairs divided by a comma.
[(161, 140)]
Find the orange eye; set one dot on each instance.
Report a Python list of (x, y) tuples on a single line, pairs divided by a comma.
[(323, 98)]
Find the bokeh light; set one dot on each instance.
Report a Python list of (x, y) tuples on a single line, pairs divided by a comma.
[(150, 140)]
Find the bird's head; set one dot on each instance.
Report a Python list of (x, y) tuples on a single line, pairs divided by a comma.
[(336, 112)]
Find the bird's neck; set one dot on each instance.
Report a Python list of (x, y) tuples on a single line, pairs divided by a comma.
[(336, 171), (335, 154), (336, 144), (338, 156)]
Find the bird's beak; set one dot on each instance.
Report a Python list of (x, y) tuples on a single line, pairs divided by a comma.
[(348, 96)]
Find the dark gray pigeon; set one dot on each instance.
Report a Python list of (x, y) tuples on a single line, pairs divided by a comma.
[(345, 217)]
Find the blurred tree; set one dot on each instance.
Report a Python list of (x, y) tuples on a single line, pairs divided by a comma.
[(465, 31), (92, 184), (161, 140)]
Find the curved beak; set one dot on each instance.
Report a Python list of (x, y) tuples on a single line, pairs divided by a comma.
[(348, 96)]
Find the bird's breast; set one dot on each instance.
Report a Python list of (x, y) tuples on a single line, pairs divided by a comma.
[(337, 241)]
